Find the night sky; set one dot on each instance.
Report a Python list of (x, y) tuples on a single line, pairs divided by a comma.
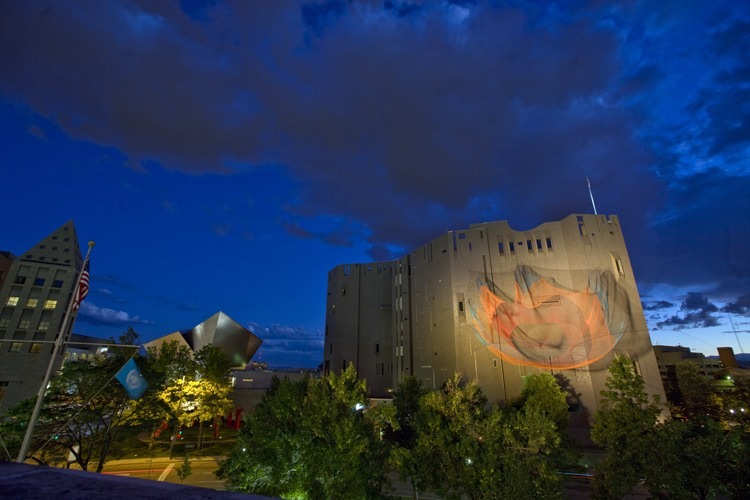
[(226, 155)]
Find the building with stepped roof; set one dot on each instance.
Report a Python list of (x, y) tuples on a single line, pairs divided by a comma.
[(36, 289)]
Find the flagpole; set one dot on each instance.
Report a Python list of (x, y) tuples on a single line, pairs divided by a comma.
[(55, 350)]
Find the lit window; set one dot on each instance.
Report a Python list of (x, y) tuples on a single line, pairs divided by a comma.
[(24, 324), (35, 348), (15, 347), (50, 304), (32, 303), (4, 322), (43, 326), (12, 301)]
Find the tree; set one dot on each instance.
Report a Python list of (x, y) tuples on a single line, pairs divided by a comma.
[(450, 423), (189, 387), (403, 435), (184, 470), (625, 426), (698, 397), (312, 438), (84, 408), (697, 453)]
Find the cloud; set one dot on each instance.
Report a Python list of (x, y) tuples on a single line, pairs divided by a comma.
[(739, 306), (94, 315), (407, 118), (288, 346), (657, 305), (697, 312)]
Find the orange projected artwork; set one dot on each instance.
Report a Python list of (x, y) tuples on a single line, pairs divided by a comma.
[(549, 326)]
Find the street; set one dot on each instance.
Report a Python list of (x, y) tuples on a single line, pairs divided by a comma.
[(163, 469)]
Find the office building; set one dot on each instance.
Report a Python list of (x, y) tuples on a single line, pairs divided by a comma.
[(495, 304), (34, 296)]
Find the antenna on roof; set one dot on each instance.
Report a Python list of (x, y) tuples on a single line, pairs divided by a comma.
[(591, 195)]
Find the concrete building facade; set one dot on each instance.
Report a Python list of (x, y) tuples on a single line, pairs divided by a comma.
[(33, 298), (495, 304)]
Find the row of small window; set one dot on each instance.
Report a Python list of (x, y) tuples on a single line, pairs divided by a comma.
[(21, 280), (18, 347), (529, 245), (25, 324), (53, 259), (48, 304)]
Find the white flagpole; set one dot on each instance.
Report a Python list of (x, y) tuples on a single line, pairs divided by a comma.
[(591, 195), (58, 343)]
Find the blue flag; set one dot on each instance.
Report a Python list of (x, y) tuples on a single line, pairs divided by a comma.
[(130, 377)]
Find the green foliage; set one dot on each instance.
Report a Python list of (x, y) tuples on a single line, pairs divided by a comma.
[(186, 388), (697, 394), (184, 470), (308, 440), (83, 410), (696, 454), (625, 425), (464, 449)]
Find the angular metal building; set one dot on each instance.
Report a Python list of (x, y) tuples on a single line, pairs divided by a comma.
[(234, 340), (495, 304)]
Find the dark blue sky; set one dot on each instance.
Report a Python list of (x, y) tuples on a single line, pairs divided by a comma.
[(226, 155)]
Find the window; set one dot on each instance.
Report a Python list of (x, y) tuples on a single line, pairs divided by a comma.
[(12, 301), (549, 243), (4, 322), (20, 280), (461, 236), (15, 347), (43, 326), (35, 348), (50, 304), (57, 284), (528, 245), (538, 244), (377, 348), (24, 324), (512, 246), (500, 247), (32, 303), (460, 306)]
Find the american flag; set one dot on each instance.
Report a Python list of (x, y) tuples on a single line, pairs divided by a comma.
[(83, 287)]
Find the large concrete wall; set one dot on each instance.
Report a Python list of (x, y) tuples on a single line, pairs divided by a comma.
[(358, 323), (495, 304)]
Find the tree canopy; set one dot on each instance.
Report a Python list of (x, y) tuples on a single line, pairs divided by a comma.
[(311, 438)]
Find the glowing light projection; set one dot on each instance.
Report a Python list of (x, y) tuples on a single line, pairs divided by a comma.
[(550, 326)]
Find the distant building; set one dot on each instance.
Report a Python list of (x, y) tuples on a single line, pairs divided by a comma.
[(495, 304), (668, 357), (35, 292), (233, 339)]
